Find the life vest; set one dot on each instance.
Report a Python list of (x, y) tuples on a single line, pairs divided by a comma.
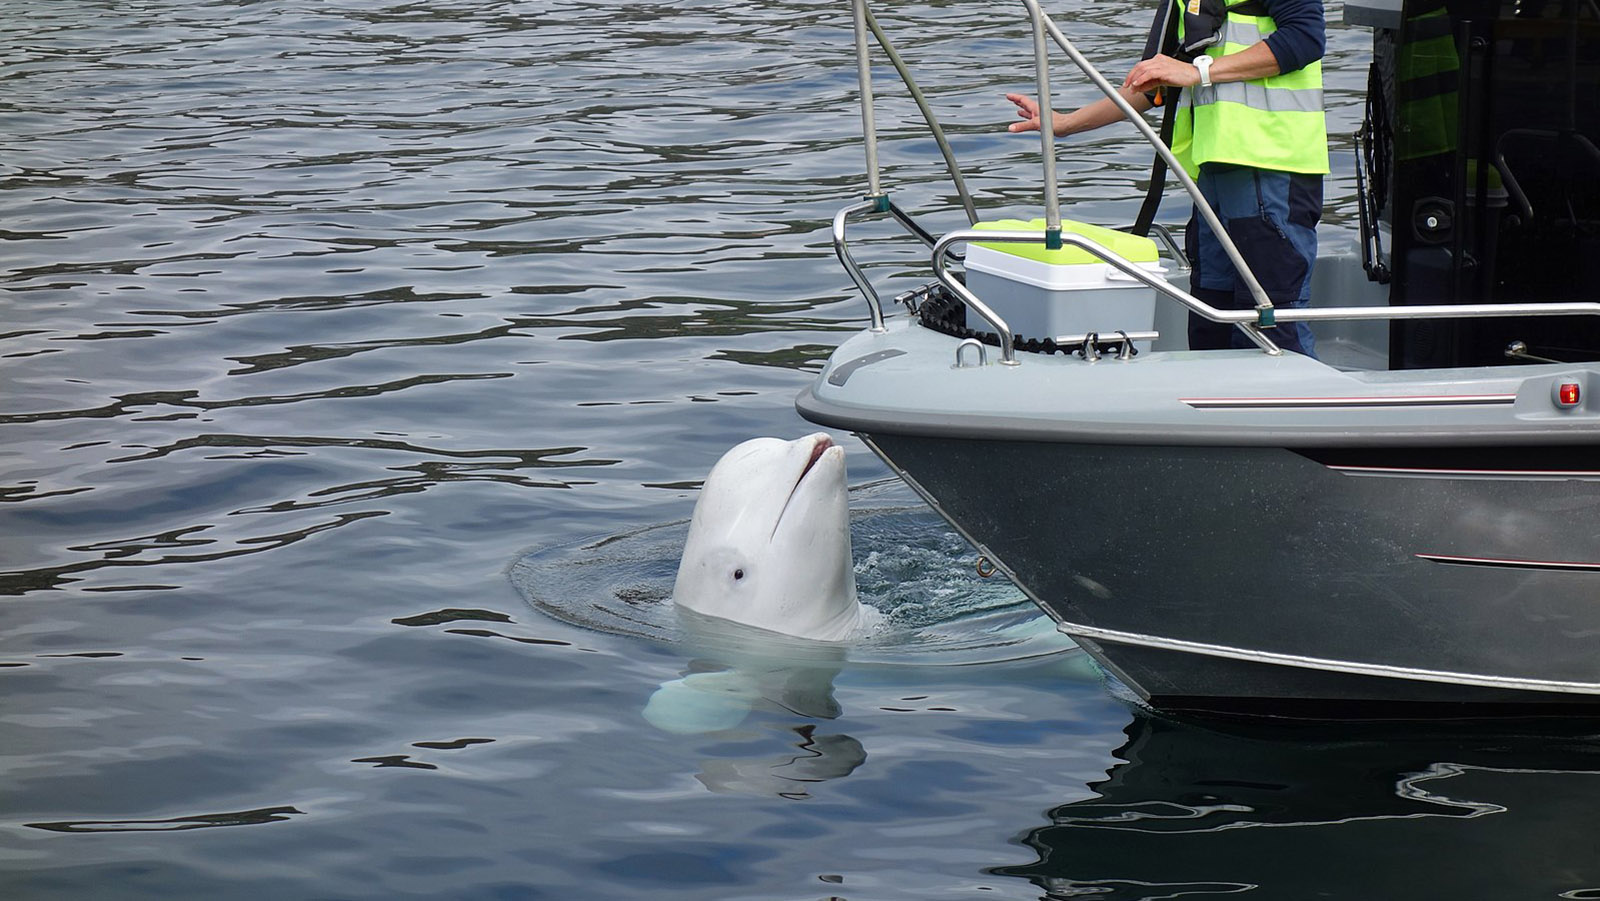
[(1268, 123)]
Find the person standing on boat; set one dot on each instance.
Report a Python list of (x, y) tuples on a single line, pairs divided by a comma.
[(1251, 131)]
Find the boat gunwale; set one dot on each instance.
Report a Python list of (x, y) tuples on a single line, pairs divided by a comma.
[(991, 427)]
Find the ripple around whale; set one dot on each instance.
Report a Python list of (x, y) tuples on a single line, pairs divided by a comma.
[(909, 565)]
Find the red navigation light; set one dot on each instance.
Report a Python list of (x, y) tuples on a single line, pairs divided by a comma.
[(1567, 394)]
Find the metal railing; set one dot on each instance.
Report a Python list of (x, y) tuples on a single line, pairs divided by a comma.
[(1244, 319), (1043, 23), (1008, 356), (877, 201)]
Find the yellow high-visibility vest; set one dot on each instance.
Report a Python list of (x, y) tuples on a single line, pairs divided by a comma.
[(1269, 123)]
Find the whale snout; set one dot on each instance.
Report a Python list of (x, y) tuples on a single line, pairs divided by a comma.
[(781, 510)]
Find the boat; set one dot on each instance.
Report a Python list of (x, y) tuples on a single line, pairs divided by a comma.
[(1408, 524)]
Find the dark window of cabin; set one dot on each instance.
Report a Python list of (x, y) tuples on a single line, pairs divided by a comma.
[(1494, 110)]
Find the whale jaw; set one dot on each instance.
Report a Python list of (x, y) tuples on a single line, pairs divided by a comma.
[(769, 542)]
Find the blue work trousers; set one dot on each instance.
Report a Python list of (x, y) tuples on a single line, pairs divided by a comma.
[(1272, 217)]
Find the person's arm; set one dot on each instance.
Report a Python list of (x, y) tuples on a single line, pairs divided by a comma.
[(1255, 61), (1302, 35), (1086, 118), (1300, 39), (1163, 32)]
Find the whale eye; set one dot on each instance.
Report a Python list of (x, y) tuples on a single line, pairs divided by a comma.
[(738, 574)]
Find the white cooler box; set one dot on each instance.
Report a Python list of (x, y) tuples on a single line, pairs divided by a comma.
[(1062, 293)]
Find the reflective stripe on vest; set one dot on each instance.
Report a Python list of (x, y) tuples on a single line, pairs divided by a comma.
[(1257, 95), (1269, 123)]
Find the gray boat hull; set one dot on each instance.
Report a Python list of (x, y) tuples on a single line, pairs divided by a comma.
[(1238, 532), (1238, 577)]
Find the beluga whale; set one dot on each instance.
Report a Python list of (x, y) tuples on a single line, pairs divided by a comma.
[(769, 541)]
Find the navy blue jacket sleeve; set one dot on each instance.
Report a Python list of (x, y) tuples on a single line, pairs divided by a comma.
[(1302, 35), (1301, 38)]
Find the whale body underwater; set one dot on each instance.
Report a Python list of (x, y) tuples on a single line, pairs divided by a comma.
[(769, 541)]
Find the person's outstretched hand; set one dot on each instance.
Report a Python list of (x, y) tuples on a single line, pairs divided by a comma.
[(1027, 111)]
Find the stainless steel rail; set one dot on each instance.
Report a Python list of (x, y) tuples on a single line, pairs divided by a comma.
[(864, 22), (1047, 131), (1041, 20), (874, 302), (1433, 311), (875, 204), (869, 125), (1245, 319), (1163, 236), (934, 128)]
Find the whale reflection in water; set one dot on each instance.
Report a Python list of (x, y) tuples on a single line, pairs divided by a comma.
[(814, 758), (739, 671), (1298, 811)]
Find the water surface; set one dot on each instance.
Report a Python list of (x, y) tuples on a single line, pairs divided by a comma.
[(325, 322)]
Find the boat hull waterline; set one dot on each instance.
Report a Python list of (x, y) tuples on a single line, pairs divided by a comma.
[(1375, 540)]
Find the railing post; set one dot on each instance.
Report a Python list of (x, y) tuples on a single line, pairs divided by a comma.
[(1263, 304), (874, 303), (1047, 129), (869, 128), (1008, 353)]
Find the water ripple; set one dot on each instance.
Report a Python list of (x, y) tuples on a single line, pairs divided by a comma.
[(909, 566), (176, 824)]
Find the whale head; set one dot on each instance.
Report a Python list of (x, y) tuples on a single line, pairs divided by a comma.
[(769, 542)]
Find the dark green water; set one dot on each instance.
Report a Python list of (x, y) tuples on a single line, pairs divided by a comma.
[(329, 327)]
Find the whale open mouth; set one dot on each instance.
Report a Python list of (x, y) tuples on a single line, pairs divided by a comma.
[(818, 448), (823, 442)]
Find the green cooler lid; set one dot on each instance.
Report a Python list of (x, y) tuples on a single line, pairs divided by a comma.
[(1130, 247)]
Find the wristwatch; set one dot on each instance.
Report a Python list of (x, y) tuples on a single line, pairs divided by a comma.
[(1203, 63)]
